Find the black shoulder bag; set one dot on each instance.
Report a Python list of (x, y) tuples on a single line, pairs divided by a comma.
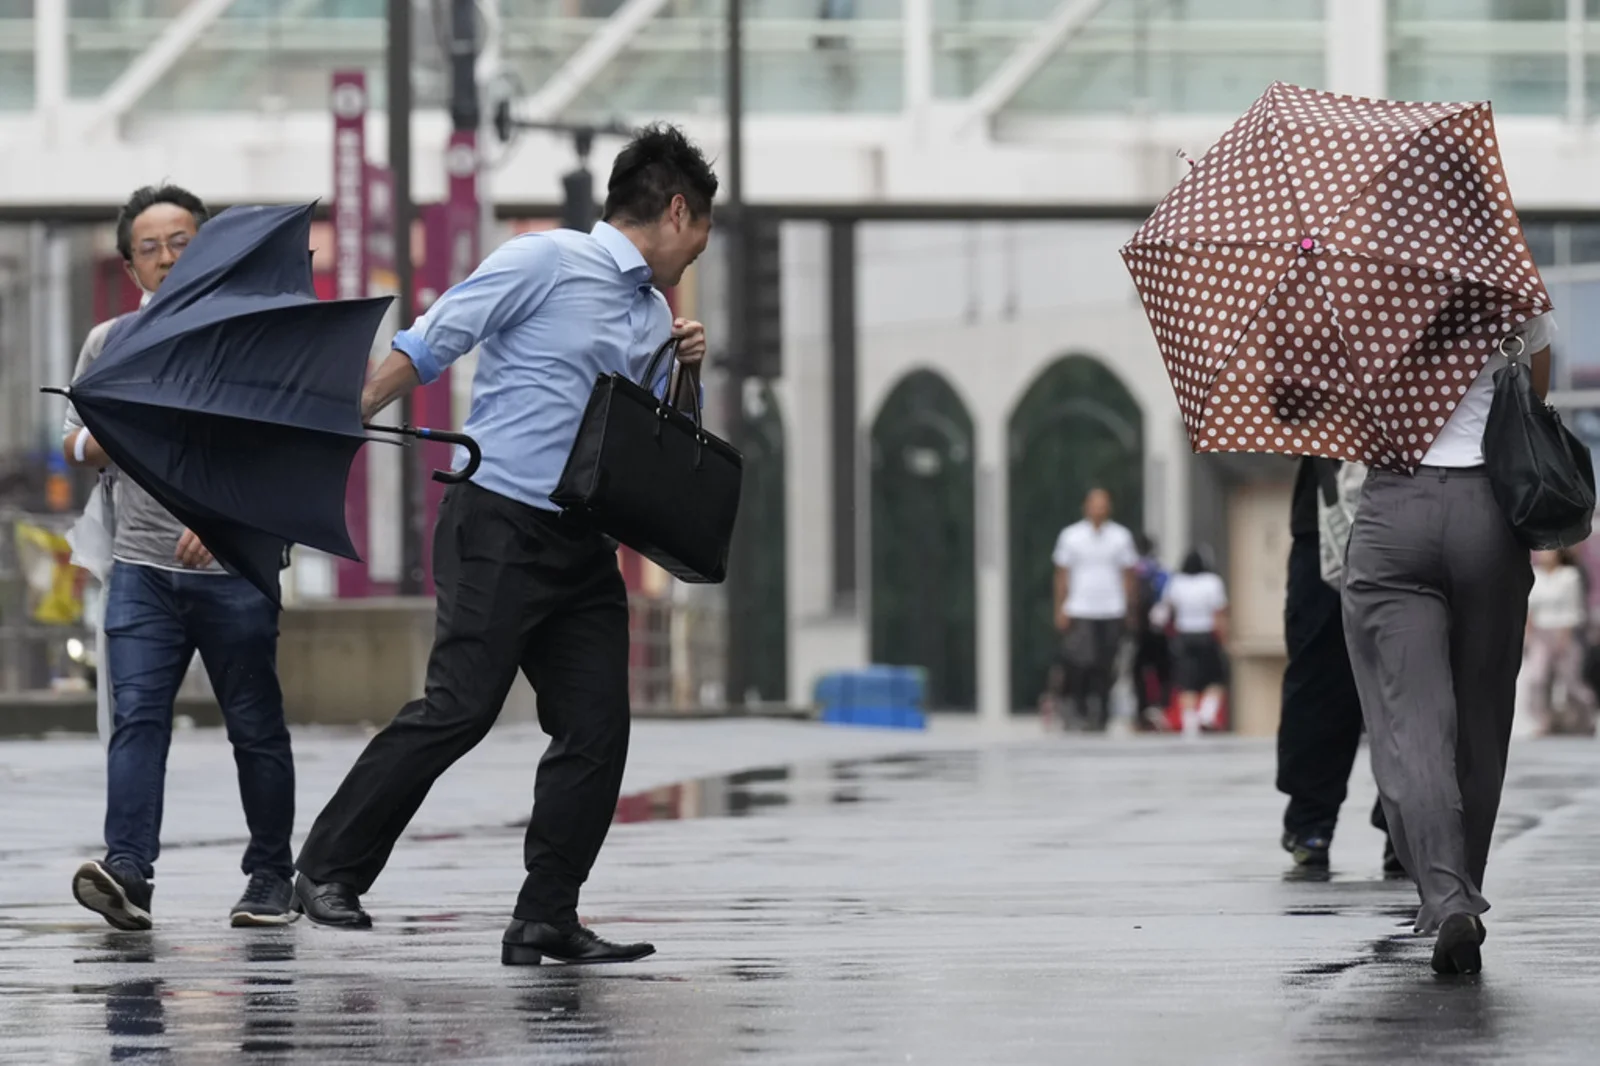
[(652, 477), (1542, 475)]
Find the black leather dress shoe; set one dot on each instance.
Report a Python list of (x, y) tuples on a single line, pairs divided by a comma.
[(529, 943), (1457, 949), (330, 904)]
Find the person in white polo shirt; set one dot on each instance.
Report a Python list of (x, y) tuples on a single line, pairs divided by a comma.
[(1095, 581)]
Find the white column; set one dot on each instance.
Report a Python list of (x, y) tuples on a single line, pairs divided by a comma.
[(1357, 47), (994, 618), (49, 63), (51, 314), (917, 42), (1577, 102)]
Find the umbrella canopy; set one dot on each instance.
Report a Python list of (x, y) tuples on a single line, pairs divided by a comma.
[(1331, 277), (233, 398)]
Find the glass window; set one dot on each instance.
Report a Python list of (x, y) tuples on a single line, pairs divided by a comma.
[(1576, 348), (1583, 242), (1172, 55), (1507, 10), (1512, 52), (1542, 242)]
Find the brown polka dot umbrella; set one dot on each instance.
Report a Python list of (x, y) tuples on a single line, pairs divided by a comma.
[(1331, 277)]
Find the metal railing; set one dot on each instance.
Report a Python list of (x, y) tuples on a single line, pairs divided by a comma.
[(678, 654), (677, 659)]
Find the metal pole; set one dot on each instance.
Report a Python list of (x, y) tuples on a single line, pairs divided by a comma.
[(843, 417), (463, 64), (736, 357), (412, 513)]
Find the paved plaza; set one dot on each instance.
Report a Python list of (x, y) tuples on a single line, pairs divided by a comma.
[(818, 895)]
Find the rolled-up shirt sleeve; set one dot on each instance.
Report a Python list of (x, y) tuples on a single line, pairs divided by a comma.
[(505, 289)]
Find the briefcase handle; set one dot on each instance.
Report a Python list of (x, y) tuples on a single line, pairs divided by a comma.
[(688, 378), (655, 360)]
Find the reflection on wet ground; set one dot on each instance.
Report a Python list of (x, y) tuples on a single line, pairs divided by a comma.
[(1046, 903), (810, 785)]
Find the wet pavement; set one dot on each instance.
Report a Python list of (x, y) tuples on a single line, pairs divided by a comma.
[(818, 896)]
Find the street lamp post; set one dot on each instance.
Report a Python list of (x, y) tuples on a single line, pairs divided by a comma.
[(412, 512)]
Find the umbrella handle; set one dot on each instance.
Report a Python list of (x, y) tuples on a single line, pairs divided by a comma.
[(444, 436)]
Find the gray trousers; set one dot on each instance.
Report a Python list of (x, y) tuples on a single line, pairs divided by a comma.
[(1435, 603)]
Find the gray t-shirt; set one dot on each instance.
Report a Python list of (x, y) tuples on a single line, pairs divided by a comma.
[(144, 533)]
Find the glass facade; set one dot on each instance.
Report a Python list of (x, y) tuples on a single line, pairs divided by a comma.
[(1160, 55), (804, 56), (1528, 57), (1568, 254), (843, 56), (16, 55)]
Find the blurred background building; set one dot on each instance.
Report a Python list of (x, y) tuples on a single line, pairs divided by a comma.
[(941, 353)]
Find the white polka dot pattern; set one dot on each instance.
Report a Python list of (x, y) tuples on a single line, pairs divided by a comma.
[(1331, 277)]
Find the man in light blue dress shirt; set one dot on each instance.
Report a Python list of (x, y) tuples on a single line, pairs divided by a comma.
[(519, 587)]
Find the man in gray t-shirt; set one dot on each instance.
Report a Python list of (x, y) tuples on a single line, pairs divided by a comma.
[(167, 598), (144, 533)]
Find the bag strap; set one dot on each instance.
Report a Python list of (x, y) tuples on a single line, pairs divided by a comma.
[(667, 345), (688, 378)]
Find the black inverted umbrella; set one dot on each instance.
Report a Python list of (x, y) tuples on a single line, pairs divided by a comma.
[(234, 397)]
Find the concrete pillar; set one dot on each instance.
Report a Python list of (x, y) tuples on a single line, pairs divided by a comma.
[(1357, 47), (916, 22), (49, 65), (994, 619)]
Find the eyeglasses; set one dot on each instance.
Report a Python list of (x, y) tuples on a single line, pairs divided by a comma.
[(152, 248)]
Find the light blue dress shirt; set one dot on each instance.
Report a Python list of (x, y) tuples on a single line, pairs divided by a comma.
[(553, 311)]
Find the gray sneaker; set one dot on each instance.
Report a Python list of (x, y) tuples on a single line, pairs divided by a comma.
[(268, 900)]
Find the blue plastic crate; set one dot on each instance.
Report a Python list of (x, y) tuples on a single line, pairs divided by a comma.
[(875, 717), (882, 696)]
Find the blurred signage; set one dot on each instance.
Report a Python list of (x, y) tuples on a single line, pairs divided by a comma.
[(54, 585), (349, 103)]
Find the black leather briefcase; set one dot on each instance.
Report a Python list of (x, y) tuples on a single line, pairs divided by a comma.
[(652, 477)]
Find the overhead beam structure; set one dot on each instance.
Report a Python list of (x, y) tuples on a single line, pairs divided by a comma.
[(151, 65), (1020, 67), (595, 54)]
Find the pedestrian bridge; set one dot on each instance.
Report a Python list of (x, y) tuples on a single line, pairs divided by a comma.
[(881, 107)]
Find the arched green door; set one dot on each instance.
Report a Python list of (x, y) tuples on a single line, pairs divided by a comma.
[(1076, 428), (923, 565), (758, 608)]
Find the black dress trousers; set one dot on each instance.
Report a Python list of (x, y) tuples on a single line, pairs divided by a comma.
[(518, 588)]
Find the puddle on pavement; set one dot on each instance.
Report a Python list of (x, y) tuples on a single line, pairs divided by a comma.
[(801, 785)]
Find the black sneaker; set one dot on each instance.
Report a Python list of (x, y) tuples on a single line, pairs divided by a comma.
[(1309, 849), (268, 900), (117, 892)]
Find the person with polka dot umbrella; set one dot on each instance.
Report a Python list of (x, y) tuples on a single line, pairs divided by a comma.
[(1342, 277)]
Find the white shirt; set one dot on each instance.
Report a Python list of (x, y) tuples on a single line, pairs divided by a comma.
[(1460, 442), (1193, 600), (1556, 601), (1096, 561)]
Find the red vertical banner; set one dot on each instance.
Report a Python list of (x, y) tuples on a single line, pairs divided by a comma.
[(451, 252), (381, 280), (348, 101)]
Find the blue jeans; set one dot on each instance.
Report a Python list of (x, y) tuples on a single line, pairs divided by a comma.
[(155, 621)]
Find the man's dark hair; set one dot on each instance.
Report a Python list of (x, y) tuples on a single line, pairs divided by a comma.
[(143, 200), (657, 165)]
